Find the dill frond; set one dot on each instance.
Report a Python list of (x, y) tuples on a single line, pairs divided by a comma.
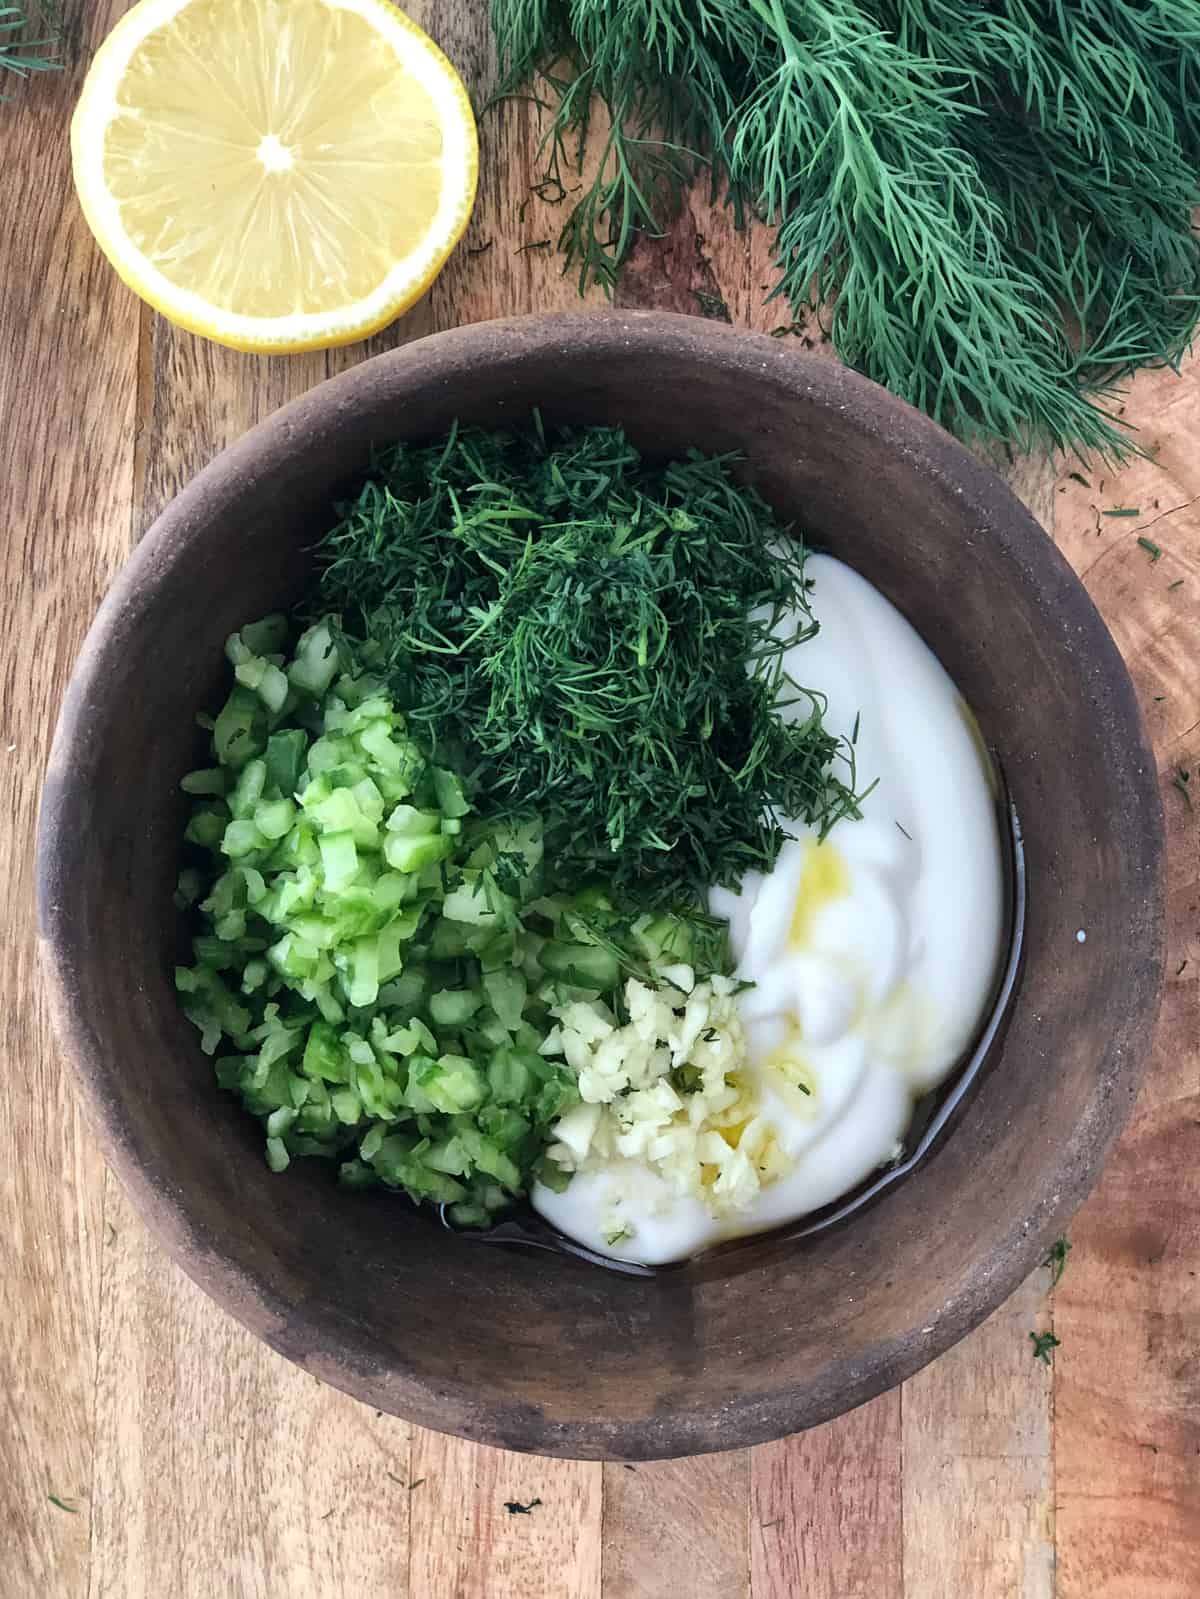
[(23, 51), (994, 196)]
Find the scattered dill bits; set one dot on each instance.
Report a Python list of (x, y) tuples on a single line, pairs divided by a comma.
[(1124, 510), (686, 1079), (598, 641), (1178, 584), (1150, 547), (793, 330), (1044, 1345), (1182, 781), (1078, 477), (516, 1508), (551, 191), (71, 1510), (1056, 1259), (712, 306)]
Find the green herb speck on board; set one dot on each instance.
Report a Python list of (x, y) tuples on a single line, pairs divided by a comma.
[(1044, 1345), (1056, 1259), (712, 306), (516, 1508)]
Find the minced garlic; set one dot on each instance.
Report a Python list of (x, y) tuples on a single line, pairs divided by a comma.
[(667, 1088)]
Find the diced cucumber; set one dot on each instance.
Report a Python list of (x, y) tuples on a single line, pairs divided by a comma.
[(452, 802), (451, 1083), (479, 901), (212, 780), (242, 838), (586, 965), (316, 661), (274, 818), (506, 991), (411, 854), (267, 636), (373, 963), (339, 859), (406, 821), (453, 1007)]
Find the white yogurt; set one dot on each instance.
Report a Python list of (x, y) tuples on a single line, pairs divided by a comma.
[(873, 954)]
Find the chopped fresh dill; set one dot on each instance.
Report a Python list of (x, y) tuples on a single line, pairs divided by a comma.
[(1171, 587), (1123, 510), (516, 1508), (1044, 1345), (597, 640), (686, 1079), (712, 306), (1182, 781), (1151, 549), (71, 1510), (1078, 477), (1056, 1259)]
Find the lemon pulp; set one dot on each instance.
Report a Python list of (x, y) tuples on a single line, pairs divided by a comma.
[(280, 173)]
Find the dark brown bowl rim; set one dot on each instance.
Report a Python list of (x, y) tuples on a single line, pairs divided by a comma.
[(460, 1408)]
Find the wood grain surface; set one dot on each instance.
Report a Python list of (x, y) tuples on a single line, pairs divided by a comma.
[(149, 1446)]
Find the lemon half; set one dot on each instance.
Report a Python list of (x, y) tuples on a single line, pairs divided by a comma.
[(277, 175)]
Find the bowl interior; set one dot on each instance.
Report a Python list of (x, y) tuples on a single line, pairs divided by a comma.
[(530, 1350)]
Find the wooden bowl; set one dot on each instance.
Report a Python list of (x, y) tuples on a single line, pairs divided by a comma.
[(529, 1350)]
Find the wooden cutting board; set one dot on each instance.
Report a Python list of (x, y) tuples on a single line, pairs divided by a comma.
[(150, 1447)]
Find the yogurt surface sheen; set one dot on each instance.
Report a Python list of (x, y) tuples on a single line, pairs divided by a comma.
[(873, 953)]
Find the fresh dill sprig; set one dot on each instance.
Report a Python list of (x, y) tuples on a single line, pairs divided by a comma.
[(22, 51), (596, 640), (994, 196)]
